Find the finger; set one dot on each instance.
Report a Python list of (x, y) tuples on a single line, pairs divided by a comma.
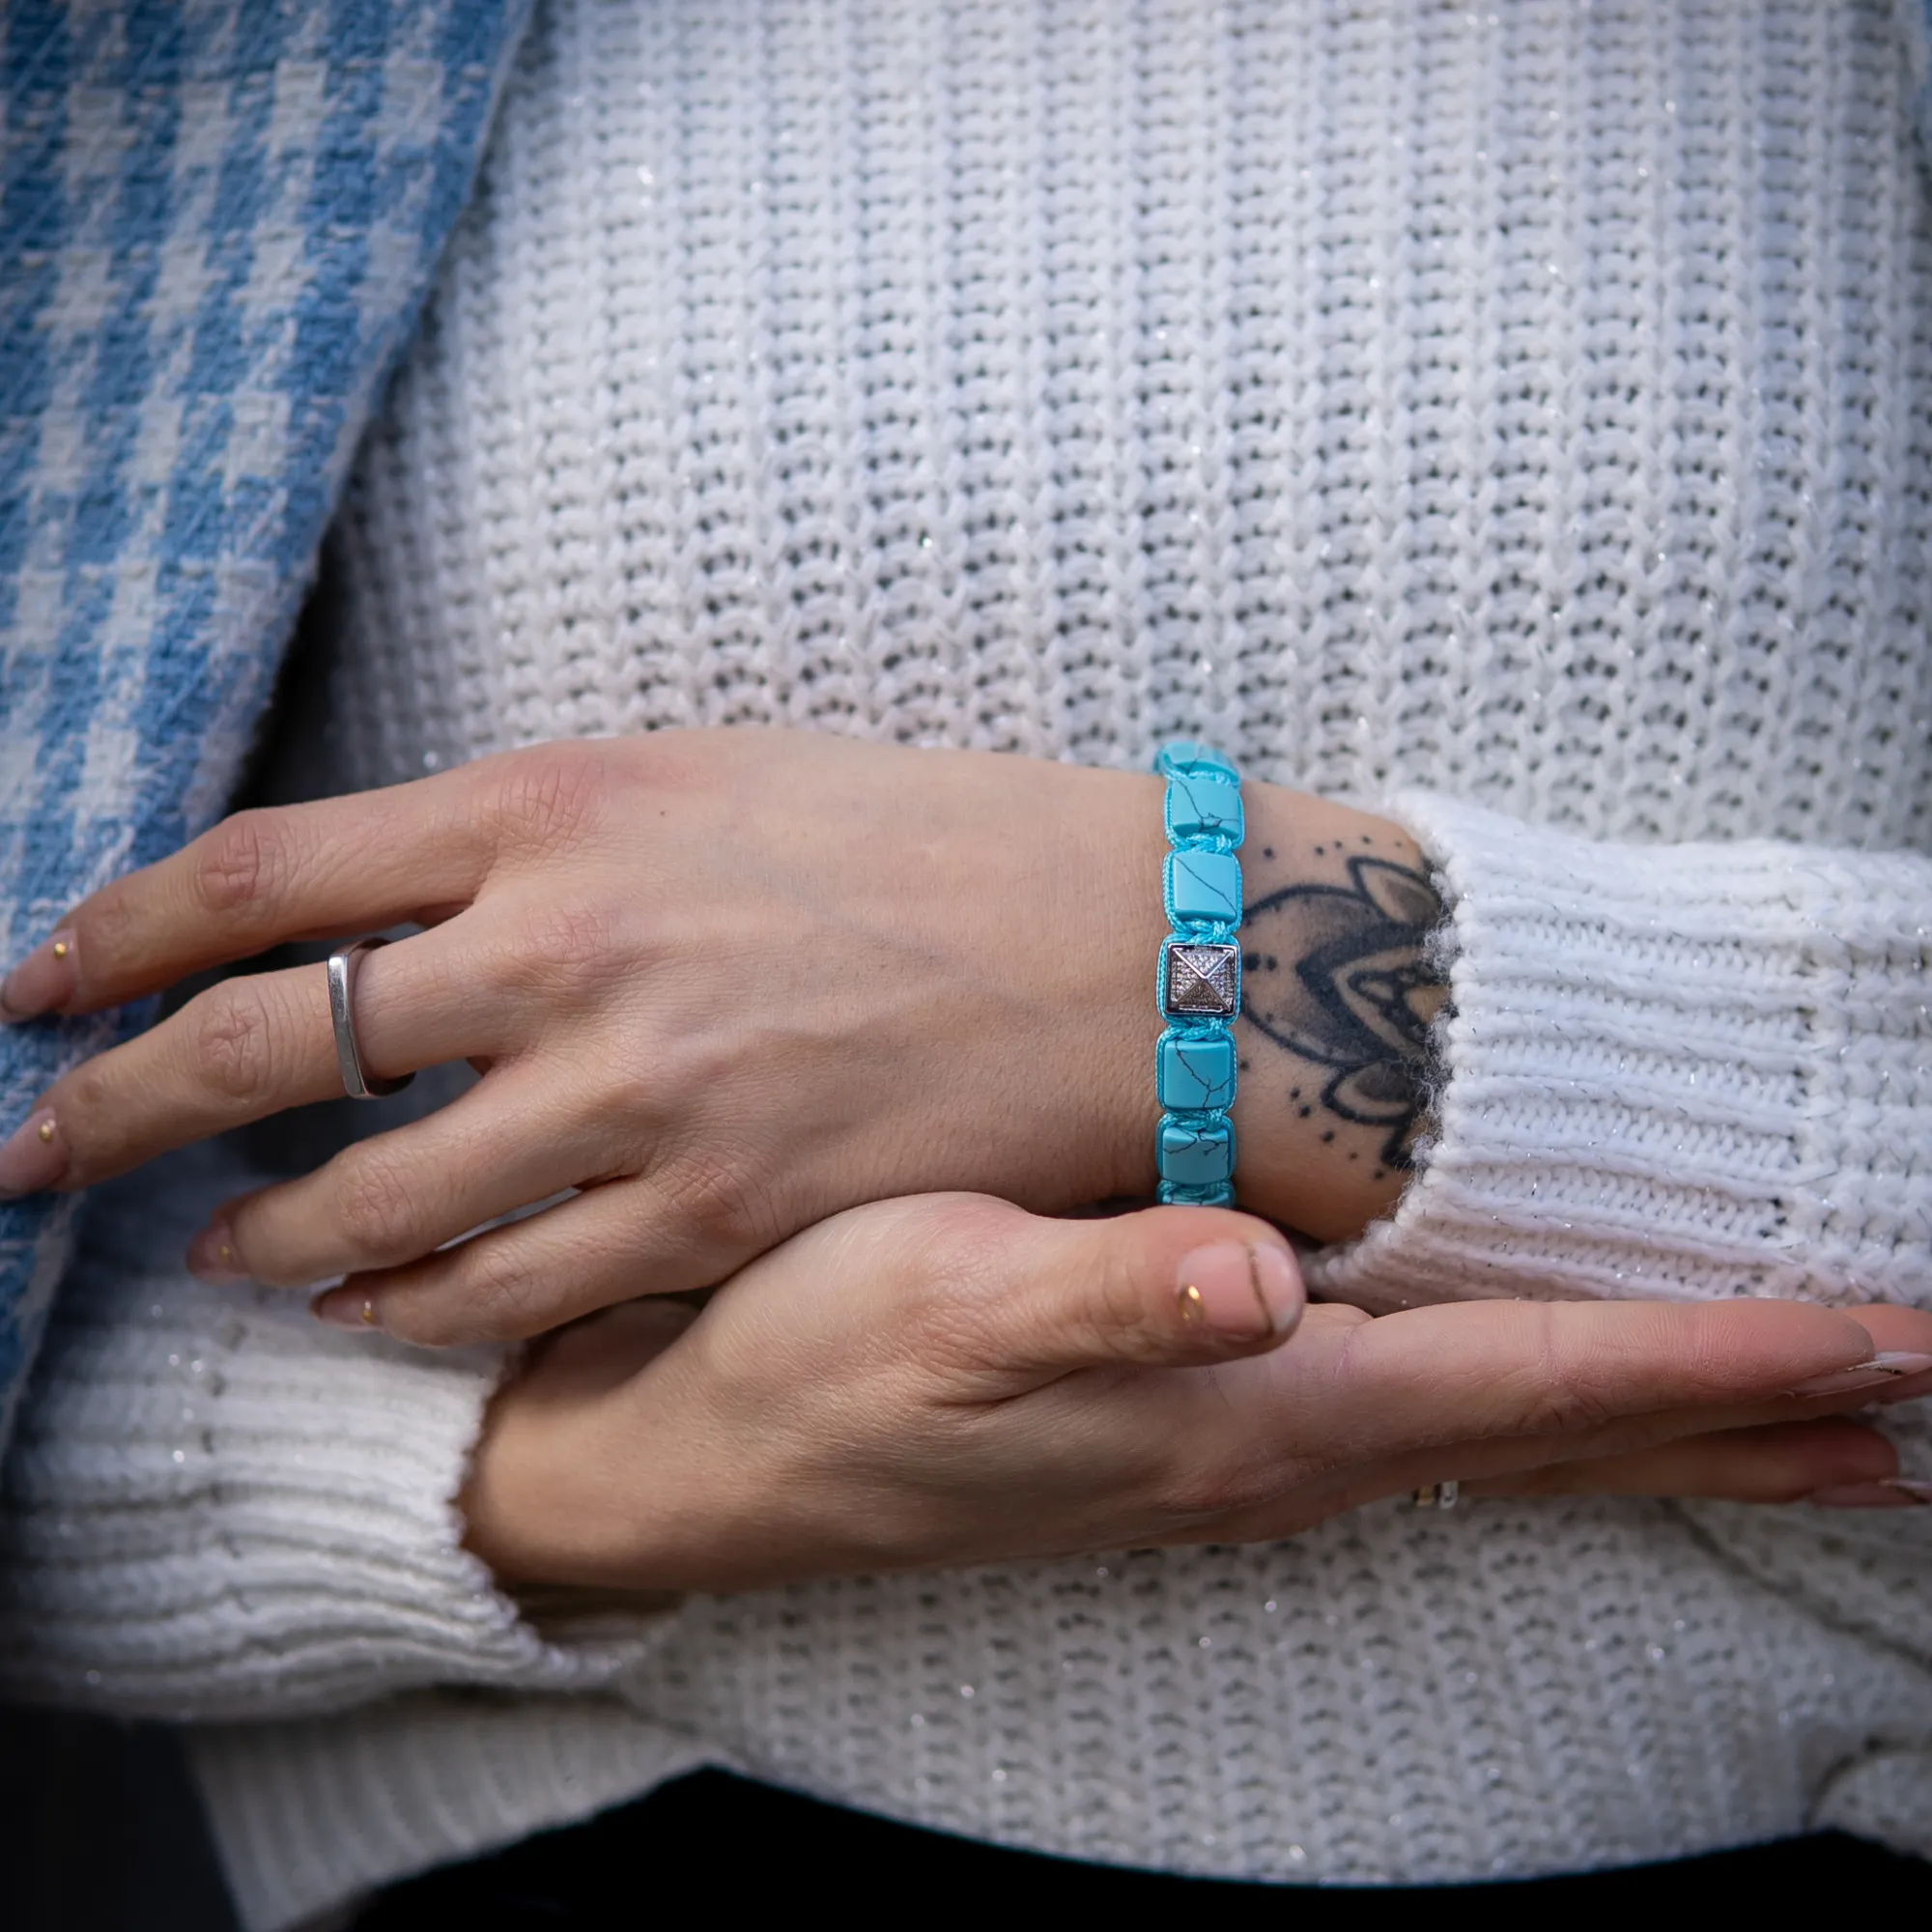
[(1252, 1475), (1547, 1371), (1007, 1301), (598, 1248), (510, 1141), (249, 1047), (1778, 1463), (342, 864)]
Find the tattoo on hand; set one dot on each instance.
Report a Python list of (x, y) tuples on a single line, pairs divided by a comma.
[(1341, 976)]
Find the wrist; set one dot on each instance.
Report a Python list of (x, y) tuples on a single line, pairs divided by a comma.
[(1325, 1114), (1126, 924), (1338, 993)]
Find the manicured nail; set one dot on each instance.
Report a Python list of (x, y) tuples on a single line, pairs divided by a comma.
[(1894, 1493), (211, 1256), (346, 1308), (1278, 1283), (1240, 1292), (33, 1157), (42, 982), (1890, 1366)]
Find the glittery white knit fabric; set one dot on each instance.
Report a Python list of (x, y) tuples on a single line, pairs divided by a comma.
[(1523, 415)]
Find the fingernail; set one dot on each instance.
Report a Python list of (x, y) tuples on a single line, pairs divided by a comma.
[(1278, 1283), (1894, 1493), (346, 1308), (42, 982), (211, 1256), (1236, 1291), (33, 1157), (1891, 1365)]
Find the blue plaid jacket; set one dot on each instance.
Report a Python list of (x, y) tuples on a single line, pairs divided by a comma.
[(219, 219)]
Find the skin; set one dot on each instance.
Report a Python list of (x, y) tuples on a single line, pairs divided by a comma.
[(948, 1380), (733, 986), (725, 983)]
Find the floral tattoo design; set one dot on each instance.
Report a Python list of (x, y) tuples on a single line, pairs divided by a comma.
[(1340, 975)]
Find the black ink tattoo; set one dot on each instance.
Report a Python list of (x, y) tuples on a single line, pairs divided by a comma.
[(1360, 994)]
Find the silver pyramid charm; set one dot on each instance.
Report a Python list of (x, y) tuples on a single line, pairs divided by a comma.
[(1202, 979)]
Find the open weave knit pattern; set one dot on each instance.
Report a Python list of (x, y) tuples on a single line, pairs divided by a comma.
[(1519, 415)]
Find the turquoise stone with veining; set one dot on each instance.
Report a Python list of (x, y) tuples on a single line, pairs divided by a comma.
[(1204, 888), (1186, 755), (1201, 1156), (1193, 1076), (1204, 806)]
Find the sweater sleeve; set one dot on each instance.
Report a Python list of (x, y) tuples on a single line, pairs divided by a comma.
[(1682, 1071), (217, 1508)]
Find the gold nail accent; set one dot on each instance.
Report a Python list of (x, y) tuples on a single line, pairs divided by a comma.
[(46, 1131), (368, 1312), (1191, 1310), (60, 949), (227, 1255)]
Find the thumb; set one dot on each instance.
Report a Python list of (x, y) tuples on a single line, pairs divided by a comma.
[(1165, 1288)]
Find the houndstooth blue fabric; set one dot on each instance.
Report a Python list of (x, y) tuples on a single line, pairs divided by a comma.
[(218, 222)]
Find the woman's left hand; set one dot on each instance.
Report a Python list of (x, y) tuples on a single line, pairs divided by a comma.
[(948, 1379)]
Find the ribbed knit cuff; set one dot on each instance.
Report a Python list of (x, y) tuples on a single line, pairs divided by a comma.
[(217, 1508), (1682, 1071)]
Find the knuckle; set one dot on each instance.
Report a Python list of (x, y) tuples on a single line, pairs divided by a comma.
[(504, 1297), (959, 1304), (713, 1197), (243, 862), (378, 1203), (1117, 1305), (230, 1040), (549, 795), (568, 948), (1563, 1394), (110, 926), (88, 1104)]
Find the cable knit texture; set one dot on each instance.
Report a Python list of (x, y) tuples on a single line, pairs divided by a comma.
[(1520, 415)]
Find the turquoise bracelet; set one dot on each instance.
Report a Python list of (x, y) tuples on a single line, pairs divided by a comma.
[(1199, 984)]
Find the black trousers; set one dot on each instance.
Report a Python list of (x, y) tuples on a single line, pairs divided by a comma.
[(711, 1844)]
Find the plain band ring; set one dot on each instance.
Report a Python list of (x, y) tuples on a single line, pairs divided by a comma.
[(357, 1080), (1436, 1497)]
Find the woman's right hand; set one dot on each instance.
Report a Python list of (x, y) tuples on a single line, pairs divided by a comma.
[(721, 984), (946, 1379)]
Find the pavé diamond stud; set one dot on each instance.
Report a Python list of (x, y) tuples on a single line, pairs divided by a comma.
[(1201, 979)]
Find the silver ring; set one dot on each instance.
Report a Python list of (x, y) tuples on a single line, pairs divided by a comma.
[(356, 1082), (1436, 1497)]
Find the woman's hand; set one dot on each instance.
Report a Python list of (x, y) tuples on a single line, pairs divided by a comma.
[(948, 1380), (726, 982)]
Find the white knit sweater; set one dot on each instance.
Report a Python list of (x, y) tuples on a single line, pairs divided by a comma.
[(1524, 417)]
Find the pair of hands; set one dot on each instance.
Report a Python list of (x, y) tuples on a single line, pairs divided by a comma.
[(729, 987)]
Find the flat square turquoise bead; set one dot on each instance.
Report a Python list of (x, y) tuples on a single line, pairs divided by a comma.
[(1194, 1075), (1204, 888), (1204, 806), (1196, 1157)]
